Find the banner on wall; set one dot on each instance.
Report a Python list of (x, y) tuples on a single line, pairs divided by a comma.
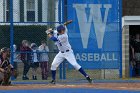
[(95, 32)]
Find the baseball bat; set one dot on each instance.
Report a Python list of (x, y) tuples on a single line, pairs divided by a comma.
[(68, 22), (51, 29)]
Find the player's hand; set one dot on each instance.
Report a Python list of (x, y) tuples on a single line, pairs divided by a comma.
[(49, 35), (49, 31)]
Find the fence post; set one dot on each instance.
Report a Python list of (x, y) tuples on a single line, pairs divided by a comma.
[(11, 30), (64, 18), (60, 71), (64, 69), (11, 33), (59, 19), (120, 18)]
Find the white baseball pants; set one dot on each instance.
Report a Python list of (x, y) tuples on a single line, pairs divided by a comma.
[(60, 57)]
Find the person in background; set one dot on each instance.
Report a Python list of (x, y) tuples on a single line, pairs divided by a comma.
[(26, 58), (136, 53), (131, 59), (35, 61), (44, 60), (16, 56)]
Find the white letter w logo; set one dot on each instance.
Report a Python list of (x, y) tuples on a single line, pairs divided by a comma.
[(95, 16)]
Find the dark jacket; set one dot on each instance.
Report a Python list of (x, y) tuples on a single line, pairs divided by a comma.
[(26, 54)]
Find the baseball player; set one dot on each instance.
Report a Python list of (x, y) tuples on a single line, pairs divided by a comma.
[(60, 37), (6, 69)]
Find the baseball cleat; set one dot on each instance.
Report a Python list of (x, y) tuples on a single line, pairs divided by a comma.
[(89, 79), (53, 82)]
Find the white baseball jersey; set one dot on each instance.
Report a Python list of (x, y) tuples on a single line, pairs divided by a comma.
[(63, 42), (63, 45)]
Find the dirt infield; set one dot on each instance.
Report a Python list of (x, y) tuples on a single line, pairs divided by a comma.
[(114, 86)]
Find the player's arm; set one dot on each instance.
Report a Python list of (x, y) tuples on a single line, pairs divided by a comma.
[(66, 23), (50, 35)]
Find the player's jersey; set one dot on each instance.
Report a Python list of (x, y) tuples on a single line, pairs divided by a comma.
[(63, 42)]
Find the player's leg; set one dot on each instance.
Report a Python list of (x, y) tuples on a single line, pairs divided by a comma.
[(71, 59), (56, 62)]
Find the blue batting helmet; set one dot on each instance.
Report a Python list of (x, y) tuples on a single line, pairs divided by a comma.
[(60, 28)]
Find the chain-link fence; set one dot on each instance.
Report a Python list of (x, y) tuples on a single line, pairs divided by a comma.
[(34, 51), (37, 47), (23, 26)]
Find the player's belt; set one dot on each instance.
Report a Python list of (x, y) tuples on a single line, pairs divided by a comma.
[(65, 51)]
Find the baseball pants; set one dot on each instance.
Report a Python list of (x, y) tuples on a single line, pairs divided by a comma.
[(60, 57)]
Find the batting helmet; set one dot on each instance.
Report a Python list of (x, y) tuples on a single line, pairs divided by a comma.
[(60, 28)]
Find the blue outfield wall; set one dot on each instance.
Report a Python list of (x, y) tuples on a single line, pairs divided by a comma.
[(95, 34)]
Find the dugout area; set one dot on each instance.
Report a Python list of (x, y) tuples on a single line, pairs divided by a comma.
[(133, 31), (131, 27)]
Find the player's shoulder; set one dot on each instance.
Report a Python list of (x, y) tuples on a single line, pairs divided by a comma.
[(63, 37)]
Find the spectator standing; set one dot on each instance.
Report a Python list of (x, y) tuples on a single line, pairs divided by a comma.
[(16, 57), (136, 53), (26, 58), (35, 61), (44, 60)]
